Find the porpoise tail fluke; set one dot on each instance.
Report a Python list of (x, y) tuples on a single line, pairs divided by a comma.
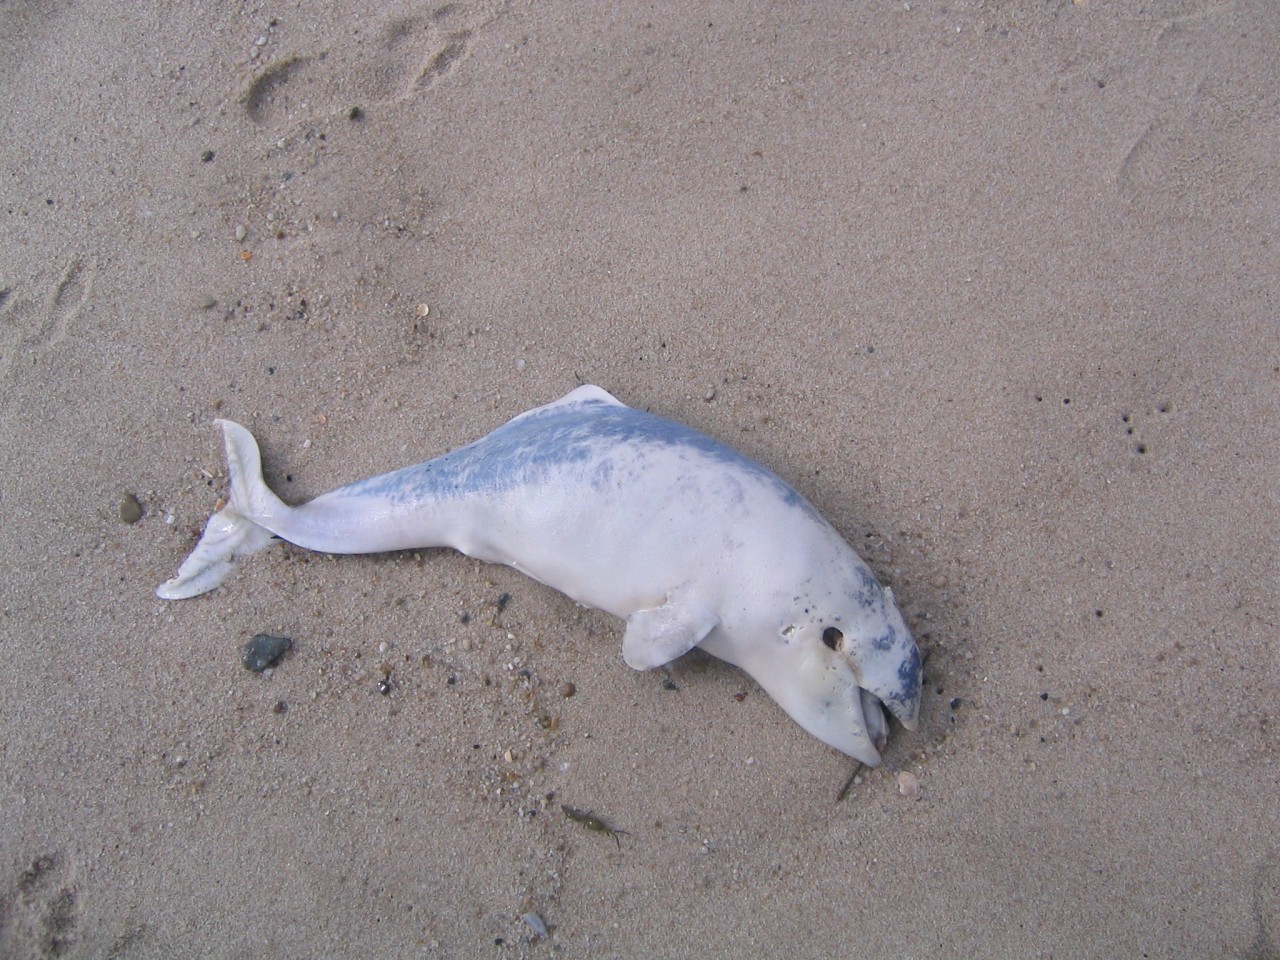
[(239, 528)]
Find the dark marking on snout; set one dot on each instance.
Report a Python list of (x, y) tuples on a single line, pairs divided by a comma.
[(909, 675), (870, 593), (886, 641)]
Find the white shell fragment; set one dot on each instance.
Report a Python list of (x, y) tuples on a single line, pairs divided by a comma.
[(535, 923)]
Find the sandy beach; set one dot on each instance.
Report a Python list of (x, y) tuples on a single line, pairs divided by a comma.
[(994, 286)]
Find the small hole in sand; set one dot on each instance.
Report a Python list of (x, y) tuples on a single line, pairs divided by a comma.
[(832, 637)]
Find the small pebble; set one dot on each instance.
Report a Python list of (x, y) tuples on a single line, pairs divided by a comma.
[(280, 707), (130, 509), (241, 232), (206, 156), (567, 690), (208, 302), (908, 785), (264, 651)]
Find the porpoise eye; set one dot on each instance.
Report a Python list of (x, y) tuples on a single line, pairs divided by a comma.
[(832, 637)]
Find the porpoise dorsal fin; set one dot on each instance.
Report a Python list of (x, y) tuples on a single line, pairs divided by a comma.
[(585, 394)]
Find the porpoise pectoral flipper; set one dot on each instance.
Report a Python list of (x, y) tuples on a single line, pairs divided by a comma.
[(658, 635)]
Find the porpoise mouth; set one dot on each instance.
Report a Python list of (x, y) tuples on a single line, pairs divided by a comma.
[(873, 717)]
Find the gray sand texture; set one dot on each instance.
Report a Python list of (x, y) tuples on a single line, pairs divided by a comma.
[(993, 285)]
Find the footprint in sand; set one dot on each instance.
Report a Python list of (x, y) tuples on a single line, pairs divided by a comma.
[(416, 52), (1266, 911), (27, 327), (1210, 147), (400, 59), (40, 914)]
